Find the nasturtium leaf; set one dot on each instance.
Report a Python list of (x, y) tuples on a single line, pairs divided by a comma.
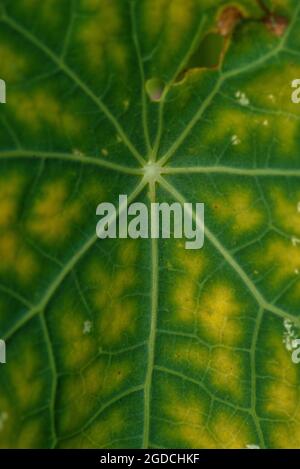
[(124, 343)]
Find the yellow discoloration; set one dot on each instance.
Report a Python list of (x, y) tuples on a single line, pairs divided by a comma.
[(79, 348), (31, 433), (193, 437), (282, 392), (238, 125), (185, 299), (154, 15), (231, 432), (230, 125), (17, 257), (184, 291), (237, 208), (93, 190), (24, 379), (193, 264), (48, 12), (227, 371), (283, 256), (117, 312), (286, 131), (180, 21), (7, 426), (287, 210), (107, 429), (192, 355), (169, 18), (13, 64), (282, 396), (38, 108), (128, 255), (103, 44), (101, 379), (217, 310), (219, 313), (191, 425), (100, 433), (83, 392), (90, 4), (277, 95), (78, 408), (190, 422), (285, 435), (282, 399), (10, 191), (53, 215)]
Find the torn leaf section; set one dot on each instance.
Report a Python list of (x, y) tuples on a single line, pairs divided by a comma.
[(276, 24), (211, 50), (208, 55), (228, 20)]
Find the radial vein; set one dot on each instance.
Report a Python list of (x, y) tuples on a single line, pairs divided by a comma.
[(72, 75), (142, 75), (232, 170), (67, 269), (167, 88), (153, 330), (81, 158), (231, 261), (54, 377), (221, 80)]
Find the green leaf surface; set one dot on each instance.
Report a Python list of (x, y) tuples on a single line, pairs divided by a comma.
[(142, 343)]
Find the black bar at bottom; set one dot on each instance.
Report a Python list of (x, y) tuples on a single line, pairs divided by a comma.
[(144, 458)]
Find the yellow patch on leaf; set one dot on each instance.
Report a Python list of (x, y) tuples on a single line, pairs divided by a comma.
[(283, 256), (190, 422), (38, 108), (287, 211), (103, 44), (282, 392), (238, 208), (17, 257), (116, 312), (13, 64), (184, 291), (53, 215), (232, 432), (226, 371), (10, 192), (218, 313)]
